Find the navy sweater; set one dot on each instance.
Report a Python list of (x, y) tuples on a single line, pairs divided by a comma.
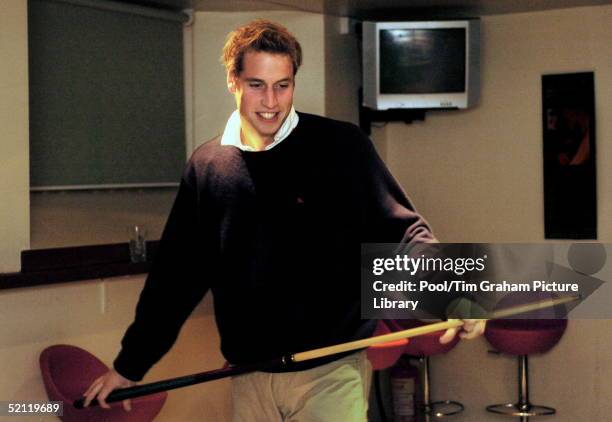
[(275, 235)]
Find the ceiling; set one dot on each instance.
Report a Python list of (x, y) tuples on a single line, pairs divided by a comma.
[(377, 9)]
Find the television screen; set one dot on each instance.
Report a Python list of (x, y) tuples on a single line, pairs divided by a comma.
[(421, 64), (422, 61)]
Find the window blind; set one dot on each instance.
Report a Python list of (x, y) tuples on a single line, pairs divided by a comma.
[(106, 95)]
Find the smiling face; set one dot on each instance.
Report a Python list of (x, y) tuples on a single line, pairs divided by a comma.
[(264, 95)]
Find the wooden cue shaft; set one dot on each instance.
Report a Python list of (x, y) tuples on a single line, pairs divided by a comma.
[(366, 342), (425, 329), (534, 306)]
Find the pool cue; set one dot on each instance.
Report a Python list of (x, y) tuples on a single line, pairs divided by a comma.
[(533, 306), (184, 381), (187, 380)]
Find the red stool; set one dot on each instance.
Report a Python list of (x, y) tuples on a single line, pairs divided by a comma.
[(523, 337), (384, 355), (67, 371), (422, 347)]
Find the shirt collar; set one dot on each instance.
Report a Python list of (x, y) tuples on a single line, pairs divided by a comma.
[(231, 134)]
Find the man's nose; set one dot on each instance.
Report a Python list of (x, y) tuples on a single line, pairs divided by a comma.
[(269, 99)]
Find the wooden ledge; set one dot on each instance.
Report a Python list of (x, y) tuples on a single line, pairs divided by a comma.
[(61, 265)]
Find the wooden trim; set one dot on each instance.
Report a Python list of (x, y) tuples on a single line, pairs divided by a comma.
[(61, 265)]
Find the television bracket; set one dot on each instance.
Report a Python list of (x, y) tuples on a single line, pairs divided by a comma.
[(406, 115)]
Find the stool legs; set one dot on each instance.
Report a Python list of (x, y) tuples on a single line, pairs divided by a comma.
[(523, 407), (426, 406)]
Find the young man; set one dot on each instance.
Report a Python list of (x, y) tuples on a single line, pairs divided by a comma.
[(270, 217)]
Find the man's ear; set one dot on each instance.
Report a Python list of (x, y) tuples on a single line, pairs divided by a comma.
[(231, 83)]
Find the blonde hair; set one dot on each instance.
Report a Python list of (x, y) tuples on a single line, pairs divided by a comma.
[(259, 35)]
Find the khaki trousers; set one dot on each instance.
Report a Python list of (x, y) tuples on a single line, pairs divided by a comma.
[(334, 392)]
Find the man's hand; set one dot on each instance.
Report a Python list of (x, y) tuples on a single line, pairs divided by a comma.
[(102, 387), (471, 328)]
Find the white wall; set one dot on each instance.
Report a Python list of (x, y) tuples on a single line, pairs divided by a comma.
[(14, 164), (212, 102), (342, 63), (94, 315), (59, 219), (477, 176)]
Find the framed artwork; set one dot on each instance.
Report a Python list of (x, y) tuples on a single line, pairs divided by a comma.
[(570, 188)]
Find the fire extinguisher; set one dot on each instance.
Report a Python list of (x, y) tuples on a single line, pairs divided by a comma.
[(404, 380)]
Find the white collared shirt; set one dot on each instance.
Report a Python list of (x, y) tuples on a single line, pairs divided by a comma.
[(231, 134)]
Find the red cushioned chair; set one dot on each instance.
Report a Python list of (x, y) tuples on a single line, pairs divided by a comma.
[(422, 347), (67, 371), (536, 332)]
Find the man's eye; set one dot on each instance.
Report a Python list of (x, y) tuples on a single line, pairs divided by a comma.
[(255, 85), (283, 86)]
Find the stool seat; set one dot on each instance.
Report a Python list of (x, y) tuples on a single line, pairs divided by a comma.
[(384, 355), (67, 371), (524, 336), (427, 344)]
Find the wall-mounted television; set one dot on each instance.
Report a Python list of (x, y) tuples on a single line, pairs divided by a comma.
[(421, 64)]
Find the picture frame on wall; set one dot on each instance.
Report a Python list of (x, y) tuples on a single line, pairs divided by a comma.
[(570, 182)]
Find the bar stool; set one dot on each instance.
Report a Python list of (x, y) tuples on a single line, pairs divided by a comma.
[(523, 337), (383, 356), (422, 347)]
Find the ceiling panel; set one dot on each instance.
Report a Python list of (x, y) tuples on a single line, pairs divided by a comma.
[(381, 9)]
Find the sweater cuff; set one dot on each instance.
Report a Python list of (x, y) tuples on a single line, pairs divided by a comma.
[(130, 367)]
